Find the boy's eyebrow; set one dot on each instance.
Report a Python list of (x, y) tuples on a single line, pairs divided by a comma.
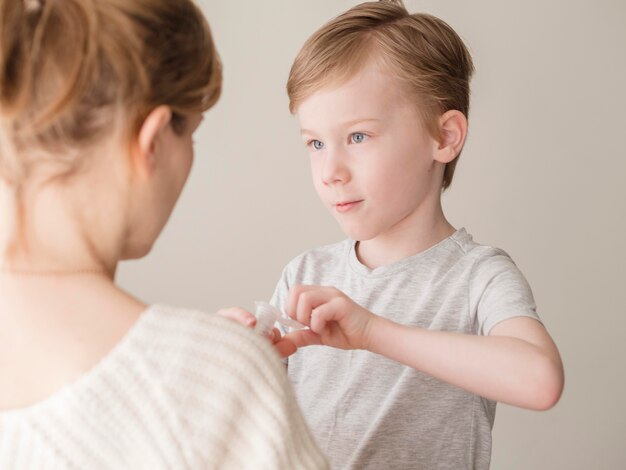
[(358, 121), (345, 124)]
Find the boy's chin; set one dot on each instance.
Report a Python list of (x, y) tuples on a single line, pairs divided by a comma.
[(136, 252), (359, 234)]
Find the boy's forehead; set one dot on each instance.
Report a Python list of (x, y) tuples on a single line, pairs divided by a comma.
[(368, 93)]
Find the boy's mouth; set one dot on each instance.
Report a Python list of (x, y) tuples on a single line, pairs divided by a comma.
[(347, 205)]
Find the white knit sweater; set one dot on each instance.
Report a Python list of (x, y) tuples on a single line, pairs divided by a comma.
[(182, 390)]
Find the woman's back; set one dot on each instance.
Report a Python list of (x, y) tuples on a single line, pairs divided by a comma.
[(55, 328)]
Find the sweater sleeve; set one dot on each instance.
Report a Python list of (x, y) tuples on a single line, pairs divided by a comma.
[(238, 409)]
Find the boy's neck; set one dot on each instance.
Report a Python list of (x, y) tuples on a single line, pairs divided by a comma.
[(401, 243)]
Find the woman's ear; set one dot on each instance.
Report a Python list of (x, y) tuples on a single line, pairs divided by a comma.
[(148, 140), (452, 131)]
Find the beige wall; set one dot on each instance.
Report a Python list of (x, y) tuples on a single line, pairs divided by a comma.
[(542, 176)]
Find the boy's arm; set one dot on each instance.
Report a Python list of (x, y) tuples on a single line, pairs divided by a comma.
[(517, 363)]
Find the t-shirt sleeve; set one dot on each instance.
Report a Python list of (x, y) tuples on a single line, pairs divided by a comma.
[(279, 298), (499, 291)]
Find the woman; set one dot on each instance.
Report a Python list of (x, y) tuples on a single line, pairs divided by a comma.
[(98, 102)]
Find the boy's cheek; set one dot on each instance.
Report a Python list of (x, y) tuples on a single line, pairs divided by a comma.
[(321, 190)]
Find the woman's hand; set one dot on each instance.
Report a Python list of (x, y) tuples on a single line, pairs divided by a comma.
[(284, 346), (240, 315)]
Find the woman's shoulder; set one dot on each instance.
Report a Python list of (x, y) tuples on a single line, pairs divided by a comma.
[(182, 339), (192, 384)]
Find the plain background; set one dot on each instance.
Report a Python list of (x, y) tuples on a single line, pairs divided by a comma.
[(542, 176)]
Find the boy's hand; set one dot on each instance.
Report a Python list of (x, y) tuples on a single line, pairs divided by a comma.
[(284, 346), (335, 319)]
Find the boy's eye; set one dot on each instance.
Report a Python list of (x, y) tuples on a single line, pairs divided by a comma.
[(357, 137), (317, 144)]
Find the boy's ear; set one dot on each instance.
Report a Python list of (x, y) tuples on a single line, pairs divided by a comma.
[(144, 158), (452, 131)]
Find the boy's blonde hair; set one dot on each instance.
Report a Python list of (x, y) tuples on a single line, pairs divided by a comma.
[(74, 71), (421, 51)]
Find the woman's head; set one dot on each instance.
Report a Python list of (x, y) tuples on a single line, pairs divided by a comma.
[(76, 75), (71, 69)]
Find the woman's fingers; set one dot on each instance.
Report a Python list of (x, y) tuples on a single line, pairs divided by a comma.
[(239, 315)]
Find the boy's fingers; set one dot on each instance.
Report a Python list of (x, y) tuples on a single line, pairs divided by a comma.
[(292, 298), (275, 335), (322, 315), (333, 310), (310, 299), (239, 315), (302, 338)]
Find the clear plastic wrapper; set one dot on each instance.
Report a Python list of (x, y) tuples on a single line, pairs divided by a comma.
[(267, 316)]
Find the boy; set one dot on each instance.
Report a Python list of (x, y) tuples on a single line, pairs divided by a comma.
[(427, 329)]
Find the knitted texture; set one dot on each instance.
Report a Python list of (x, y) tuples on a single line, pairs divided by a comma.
[(182, 390)]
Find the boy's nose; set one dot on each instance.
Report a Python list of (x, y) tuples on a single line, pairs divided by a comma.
[(335, 169)]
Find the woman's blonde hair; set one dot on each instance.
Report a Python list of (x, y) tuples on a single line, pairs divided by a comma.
[(72, 71), (421, 51)]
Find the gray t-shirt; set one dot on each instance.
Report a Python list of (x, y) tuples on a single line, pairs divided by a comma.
[(369, 412)]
